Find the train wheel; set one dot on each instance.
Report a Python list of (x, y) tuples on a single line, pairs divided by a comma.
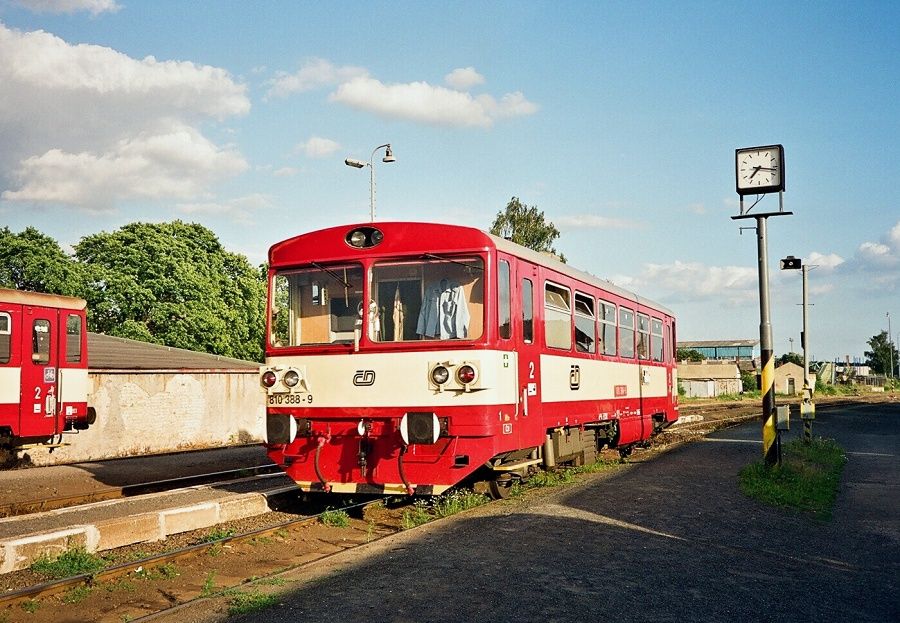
[(500, 487)]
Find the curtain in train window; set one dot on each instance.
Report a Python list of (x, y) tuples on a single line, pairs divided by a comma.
[(557, 316), (607, 332), (584, 324), (643, 345), (656, 339)]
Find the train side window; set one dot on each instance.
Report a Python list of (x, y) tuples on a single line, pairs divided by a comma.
[(656, 339), (557, 316), (527, 311), (607, 333), (643, 345), (503, 307), (40, 340), (584, 324), (5, 337), (73, 338), (626, 332)]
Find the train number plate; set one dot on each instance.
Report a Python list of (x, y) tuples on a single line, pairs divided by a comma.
[(621, 390), (290, 399)]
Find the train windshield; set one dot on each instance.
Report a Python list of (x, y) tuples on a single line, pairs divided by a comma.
[(317, 305), (435, 299)]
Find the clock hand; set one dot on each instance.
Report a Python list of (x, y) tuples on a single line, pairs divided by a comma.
[(755, 171)]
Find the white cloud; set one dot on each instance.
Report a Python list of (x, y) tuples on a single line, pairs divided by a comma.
[(240, 209), (425, 103), (89, 126), (178, 163), (318, 147), (463, 79), (285, 172), (826, 262), (94, 7), (592, 221), (316, 73), (694, 282)]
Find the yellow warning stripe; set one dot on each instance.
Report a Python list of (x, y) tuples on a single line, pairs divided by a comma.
[(770, 434)]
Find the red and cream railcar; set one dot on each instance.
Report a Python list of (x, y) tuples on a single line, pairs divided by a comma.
[(407, 357), (43, 367)]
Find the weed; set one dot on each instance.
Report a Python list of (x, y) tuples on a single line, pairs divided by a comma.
[(456, 502), (71, 562), (120, 585), (209, 584), (167, 571), (416, 516), (76, 595), (271, 582), (254, 601), (216, 535), (600, 465), (552, 478), (31, 606), (806, 480), (335, 518), (214, 550)]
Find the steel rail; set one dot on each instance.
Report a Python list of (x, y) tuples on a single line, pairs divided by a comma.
[(113, 493)]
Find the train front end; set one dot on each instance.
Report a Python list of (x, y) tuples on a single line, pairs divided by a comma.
[(380, 376)]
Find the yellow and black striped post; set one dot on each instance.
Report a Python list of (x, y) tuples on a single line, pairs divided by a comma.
[(771, 438)]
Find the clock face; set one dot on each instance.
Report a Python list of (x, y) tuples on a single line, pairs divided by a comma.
[(760, 169)]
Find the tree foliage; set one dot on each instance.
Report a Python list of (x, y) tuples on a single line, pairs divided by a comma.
[(35, 262), (174, 284), (527, 226), (879, 358), (688, 354), (790, 358)]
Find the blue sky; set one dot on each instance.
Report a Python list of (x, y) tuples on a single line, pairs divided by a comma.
[(618, 120)]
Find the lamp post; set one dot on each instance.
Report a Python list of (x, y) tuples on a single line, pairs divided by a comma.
[(890, 347), (359, 164)]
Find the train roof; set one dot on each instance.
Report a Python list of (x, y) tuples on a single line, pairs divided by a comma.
[(468, 237), (23, 297)]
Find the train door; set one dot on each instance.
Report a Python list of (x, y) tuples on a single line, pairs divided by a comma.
[(529, 350), (40, 367)]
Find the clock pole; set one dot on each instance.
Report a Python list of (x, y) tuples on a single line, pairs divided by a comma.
[(769, 158)]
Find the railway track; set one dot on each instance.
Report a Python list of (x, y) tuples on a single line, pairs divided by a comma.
[(196, 564), (47, 503)]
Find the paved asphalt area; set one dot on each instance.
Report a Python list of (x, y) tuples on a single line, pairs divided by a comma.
[(670, 539)]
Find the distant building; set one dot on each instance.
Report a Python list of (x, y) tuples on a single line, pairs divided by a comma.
[(789, 379), (709, 379), (728, 350)]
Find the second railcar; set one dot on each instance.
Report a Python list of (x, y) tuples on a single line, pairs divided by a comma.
[(407, 357)]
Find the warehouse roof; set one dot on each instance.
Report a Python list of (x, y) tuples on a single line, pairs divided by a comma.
[(717, 343), (106, 352)]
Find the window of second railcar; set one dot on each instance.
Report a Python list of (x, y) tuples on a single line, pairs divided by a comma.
[(557, 316), (626, 332), (503, 306), (607, 331), (5, 337), (643, 345), (584, 324), (656, 339), (40, 352)]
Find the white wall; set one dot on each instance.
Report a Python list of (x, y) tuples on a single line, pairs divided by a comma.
[(151, 412)]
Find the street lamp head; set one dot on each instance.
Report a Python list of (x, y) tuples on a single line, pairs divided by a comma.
[(350, 162), (388, 155)]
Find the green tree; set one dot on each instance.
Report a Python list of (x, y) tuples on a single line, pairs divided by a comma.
[(32, 261), (790, 358), (879, 358), (688, 354), (174, 284), (527, 226)]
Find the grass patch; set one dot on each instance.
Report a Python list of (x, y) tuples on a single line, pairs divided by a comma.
[(457, 502), (335, 518), (216, 535), (416, 516), (253, 601), (71, 562), (76, 595), (807, 479), (167, 571), (31, 606), (209, 585)]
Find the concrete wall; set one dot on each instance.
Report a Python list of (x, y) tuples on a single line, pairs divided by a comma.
[(152, 412)]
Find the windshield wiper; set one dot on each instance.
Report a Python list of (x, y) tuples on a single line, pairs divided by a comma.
[(340, 279)]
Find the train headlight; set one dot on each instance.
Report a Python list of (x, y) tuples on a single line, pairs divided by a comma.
[(269, 378), (466, 374), (357, 239), (364, 237), (291, 378), (440, 375)]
